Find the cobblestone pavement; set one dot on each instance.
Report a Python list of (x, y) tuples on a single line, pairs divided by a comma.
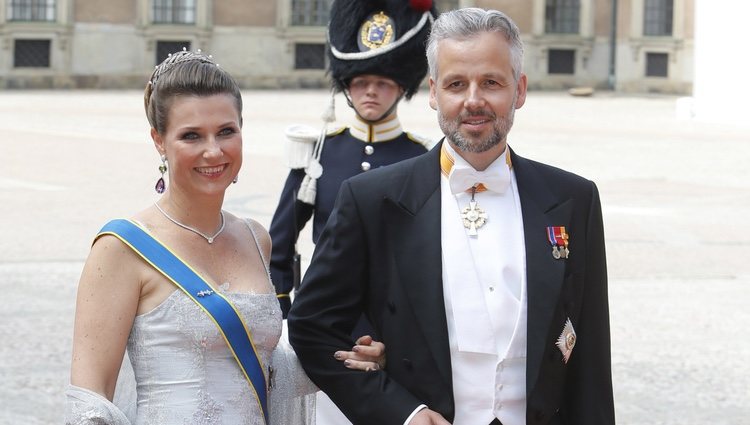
[(676, 203)]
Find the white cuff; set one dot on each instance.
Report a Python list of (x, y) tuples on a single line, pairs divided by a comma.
[(408, 419)]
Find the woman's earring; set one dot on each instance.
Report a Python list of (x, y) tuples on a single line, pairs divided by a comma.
[(236, 179), (160, 185)]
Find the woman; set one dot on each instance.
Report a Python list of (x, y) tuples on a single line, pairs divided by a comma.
[(138, 286)]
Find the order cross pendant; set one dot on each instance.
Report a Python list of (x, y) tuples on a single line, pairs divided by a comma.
[(473, 216)]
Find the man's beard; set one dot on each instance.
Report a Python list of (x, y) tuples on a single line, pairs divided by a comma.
[(470, 143)]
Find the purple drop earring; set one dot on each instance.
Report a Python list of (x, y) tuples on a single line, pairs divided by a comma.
[(160, 185)]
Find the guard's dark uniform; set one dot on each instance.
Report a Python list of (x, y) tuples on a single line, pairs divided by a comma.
[(343, 156), (384, 38)]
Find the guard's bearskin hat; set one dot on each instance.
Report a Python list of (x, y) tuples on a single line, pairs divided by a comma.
[(381, 37)]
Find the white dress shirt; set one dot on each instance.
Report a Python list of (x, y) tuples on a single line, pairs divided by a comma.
[(484, 286)]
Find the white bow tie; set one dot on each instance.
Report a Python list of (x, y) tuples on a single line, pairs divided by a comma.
[(463, 178)]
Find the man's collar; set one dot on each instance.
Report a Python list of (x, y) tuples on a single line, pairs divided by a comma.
[(458, 160)]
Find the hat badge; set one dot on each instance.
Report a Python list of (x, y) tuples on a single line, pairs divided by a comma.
[(377, 31)]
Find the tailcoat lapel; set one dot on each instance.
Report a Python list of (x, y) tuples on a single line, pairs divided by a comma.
[(544, 275), (412, 219), (413, 225)]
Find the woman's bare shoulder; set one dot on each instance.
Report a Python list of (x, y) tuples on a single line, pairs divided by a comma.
[(255, 229)]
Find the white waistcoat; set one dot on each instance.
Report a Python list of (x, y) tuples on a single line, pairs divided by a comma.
[(484, 286)]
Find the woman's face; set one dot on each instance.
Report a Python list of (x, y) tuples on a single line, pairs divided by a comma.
[(373, 95), (202, 143)]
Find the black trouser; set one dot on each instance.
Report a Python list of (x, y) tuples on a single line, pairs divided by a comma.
[(496, 422)]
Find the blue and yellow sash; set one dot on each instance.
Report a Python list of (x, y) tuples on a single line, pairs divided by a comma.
[(218, 308)]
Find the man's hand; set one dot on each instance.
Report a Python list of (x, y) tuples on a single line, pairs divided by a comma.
[(428, 417)]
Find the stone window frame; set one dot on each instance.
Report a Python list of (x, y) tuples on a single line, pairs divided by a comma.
[(540, 42), (670, 44), (198, 33), (564, 21), (176, 13), (585, 23), (49, 7), (662, 24), (314, 13), (297, 34), (202, 18), (58, 31)]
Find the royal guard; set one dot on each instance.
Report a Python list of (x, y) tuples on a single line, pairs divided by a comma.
[(377, 58)]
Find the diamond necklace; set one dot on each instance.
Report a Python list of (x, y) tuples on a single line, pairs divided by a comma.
[(210, 239)]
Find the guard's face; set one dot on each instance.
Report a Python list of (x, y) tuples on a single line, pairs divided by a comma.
[(202, 142), (373, 95), (475, 94)]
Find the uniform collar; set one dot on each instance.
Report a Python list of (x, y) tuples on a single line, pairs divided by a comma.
[(382, 131)]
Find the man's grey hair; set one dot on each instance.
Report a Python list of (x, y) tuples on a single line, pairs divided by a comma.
[(469, 22)]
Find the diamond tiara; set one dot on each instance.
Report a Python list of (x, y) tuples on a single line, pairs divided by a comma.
[(177, 58)]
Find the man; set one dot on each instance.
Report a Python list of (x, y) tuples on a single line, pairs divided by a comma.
[(483, 272), (376, 58)]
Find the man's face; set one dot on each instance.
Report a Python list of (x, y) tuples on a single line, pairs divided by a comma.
[(475, 94), (373, 95)]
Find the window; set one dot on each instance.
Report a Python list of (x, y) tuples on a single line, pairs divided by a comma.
[(446, 5), (561, 61), (657, 64), (174, 11), (31, 53), (164, 48), (310, 12), (562, 16), (309, 56), (657, 17), (32, 10)]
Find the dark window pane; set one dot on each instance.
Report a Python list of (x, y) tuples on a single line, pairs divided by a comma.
[(657, 17), (309, 56), (561, 61), (311, 12), (164, 48), (562, 16), (31, 53), (657, 64), (174, 11), (32, 10)]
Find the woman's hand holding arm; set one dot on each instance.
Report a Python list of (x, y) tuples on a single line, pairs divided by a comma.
[(367, 355)]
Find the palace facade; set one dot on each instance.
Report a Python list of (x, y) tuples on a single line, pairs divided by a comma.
[(637, 46)]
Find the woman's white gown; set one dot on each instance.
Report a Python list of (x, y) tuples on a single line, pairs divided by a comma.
[(186, 374)]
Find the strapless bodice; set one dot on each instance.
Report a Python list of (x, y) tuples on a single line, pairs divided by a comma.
[(185, 372)]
